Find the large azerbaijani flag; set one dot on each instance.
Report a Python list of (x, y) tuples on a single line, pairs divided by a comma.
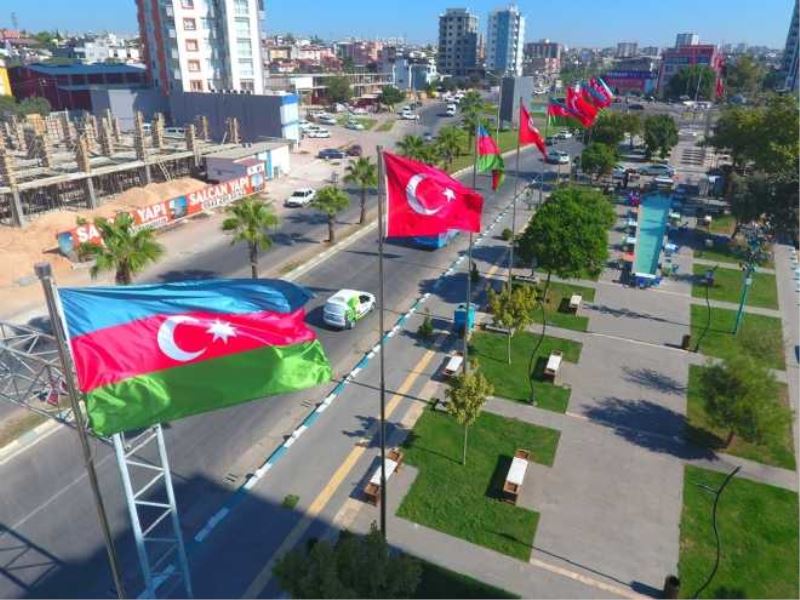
[(147, 354), (488, 157)]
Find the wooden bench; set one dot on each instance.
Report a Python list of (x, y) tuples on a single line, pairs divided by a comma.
[(553, 364), (372, 491), (515, 476), (575, 303), (453, 364)]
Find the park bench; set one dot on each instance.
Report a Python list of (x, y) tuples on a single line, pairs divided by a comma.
[(553, 364), (515, 476), (453, 364), (372, 491), (575, 302)]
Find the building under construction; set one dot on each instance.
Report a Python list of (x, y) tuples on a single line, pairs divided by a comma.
[(66, 162)]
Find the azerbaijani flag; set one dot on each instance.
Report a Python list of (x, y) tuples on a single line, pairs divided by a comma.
[(146, 354), (489, 158), (559, 114)]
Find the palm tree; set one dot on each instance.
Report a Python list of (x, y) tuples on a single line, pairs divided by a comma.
[(330, 200), (412, 146), (450, 143), (471, 106), (123, 250), (364, 173), (249, 221)]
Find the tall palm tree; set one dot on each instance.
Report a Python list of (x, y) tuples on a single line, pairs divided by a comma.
[(450, 143), (330, 200), (412, 146), (249, 221), (124, 251), (471, 107), (364, 173)]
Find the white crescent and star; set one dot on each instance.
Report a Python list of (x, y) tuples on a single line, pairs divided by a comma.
[(414, 202), (220, 330)]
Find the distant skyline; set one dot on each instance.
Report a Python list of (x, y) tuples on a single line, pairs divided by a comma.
[(570, 22)]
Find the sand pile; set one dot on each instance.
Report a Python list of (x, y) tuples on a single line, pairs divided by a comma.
[(20, 249)]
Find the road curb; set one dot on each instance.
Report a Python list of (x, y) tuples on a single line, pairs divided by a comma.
[(27, 439)]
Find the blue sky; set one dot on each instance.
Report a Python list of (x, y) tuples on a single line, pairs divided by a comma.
[(573, 22)]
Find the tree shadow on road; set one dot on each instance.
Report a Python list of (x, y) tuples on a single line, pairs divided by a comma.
[(655, 380), (649, 425)]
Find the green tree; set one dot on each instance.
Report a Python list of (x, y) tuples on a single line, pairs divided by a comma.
[(34, 105), (735, 132), (609, 128), (512, 308), (632, 125), (568, 235), (777, 146), (362, 172), (330, 201), (44, 38), (390, 96), (471, 107), (412, 146), (598, 159), (338, 89), (249, 221), (742, 396), (660, 135), (465, 398), (450, 142), (745, 76), (355, 567), (124, 251), (685, 83)]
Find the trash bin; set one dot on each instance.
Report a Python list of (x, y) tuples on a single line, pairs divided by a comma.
[(460, 318), (686, 341), (672, 586)]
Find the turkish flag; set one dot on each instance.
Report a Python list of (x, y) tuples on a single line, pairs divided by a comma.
[(586, 111), (422, 200), (528, 133)]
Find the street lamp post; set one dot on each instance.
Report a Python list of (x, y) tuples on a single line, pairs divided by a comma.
[(754, 253), (499, 79)]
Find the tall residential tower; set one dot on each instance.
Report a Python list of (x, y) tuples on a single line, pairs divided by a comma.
[(458, 42), (202, 45), (790, 53), (504, 38)]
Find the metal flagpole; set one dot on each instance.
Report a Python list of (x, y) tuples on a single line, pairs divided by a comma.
[(469, 257), (514, 208), (544, 158), (381, 359), (45, 274)]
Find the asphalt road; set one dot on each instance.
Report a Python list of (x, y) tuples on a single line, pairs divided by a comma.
[(50, 543)]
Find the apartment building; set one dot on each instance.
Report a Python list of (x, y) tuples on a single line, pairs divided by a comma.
[(458, 42), (504, 38), (202, 45)]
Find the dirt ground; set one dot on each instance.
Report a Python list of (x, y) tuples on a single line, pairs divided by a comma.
[(20, 249)]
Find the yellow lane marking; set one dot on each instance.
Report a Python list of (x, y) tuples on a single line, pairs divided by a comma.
[(586, 580), (262, 579)]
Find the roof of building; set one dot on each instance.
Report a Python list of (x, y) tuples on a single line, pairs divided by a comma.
[(90, 69), (250, 150)]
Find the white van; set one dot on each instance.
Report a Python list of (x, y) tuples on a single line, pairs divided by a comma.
[(451, 110), (346, 307)]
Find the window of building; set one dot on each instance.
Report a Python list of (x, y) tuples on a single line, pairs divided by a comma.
[(242, 27), (196, 85), (194, 65), (189, 24), (187, 4), (191, 45), (248, 85), (246, 67), (244, 47), (240, 8)]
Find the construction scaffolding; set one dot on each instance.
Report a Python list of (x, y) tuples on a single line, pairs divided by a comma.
[(77, 161)]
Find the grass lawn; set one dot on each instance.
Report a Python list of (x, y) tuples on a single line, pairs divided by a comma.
[(779, 452), (723, 225), (728, 287), (438, 582), (727, 254), (558, 296), (719, 342), (464, 500), (511, 381), (758, 530), (386, 125)]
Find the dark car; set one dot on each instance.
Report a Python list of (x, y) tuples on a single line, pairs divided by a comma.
[(636, 106), (550, 140), (330, 154), (354, 150)]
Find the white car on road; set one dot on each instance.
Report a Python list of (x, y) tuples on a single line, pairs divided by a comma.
[(318, 133), (327, 120), (657, 170), (354, 125), (300, 197), (346, 307), (558, 157), (409, 116)]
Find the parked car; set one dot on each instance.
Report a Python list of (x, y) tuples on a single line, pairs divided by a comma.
[(657, 170), (354, 150), (318, 133), (354, 125), (427, 136), (330, 154), (409, 116), (175, 132), (558, 157), (618, 172), (327, 120), (346, 307), (563, 135), (300, 197)]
